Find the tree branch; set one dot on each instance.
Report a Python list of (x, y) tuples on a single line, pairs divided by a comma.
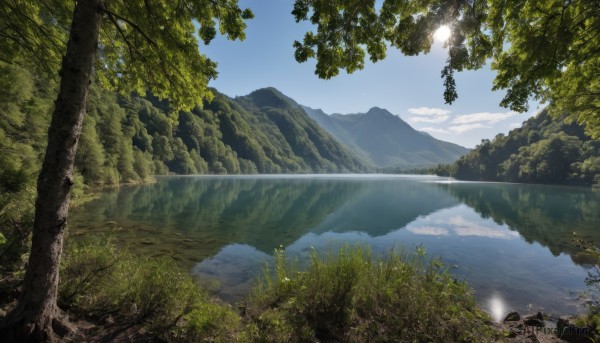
[(134, 25)]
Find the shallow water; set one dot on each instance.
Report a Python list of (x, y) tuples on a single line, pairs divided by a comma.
[(512, 243)]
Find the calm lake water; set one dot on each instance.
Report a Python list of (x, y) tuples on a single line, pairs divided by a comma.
[(512, 243)]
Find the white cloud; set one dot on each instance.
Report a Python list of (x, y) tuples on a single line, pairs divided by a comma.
[(514, 125), (486, 117), (461, 123), (433, 119), (428, 111), (434, 130), (467, 127)]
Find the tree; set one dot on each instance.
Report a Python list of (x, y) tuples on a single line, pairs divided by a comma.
[(123, 45), (544, 150), (90, 154), (548, 50)]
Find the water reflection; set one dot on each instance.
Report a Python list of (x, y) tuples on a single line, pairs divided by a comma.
[(194, 218), (548, 215), (512, 243), (497, 308), (204, 214), (460, 226), (232, 272)]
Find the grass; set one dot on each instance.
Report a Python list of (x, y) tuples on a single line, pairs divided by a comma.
[(346, 296), (353, 296), (100, 282)]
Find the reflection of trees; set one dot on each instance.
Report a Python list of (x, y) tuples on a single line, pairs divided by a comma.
[(193, 218), (544, 214), (260, 212)]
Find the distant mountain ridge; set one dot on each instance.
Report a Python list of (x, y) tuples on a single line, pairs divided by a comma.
[(385, 140)]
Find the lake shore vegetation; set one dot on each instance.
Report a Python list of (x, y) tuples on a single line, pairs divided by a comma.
[(346, 295)]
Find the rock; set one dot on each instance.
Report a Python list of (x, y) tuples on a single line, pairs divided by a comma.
[(243, 310), (540, 316), (562, 322), (573, 333), (533, 321), (512, 317), (515, 329)]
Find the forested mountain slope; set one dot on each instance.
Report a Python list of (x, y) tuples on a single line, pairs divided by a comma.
[(292, 130), (544, 150), (385, 140), (129, 139)]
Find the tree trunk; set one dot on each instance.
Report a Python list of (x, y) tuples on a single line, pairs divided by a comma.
[(36, 316)]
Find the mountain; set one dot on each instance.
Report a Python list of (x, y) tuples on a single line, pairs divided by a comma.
[(263, 132), (544, 150), (385, 140), (293, 130)]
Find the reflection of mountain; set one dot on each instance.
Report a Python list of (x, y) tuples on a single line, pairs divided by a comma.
[(213, 212), (192, 218), (382, 207), (548, 215)]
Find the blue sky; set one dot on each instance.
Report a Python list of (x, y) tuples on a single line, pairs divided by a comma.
[(409, 87)]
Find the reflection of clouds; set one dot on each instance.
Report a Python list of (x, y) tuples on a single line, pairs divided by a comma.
[(460, 226), (459, 221), (429, 230), (465, 227), (483, 232), (232, 272)]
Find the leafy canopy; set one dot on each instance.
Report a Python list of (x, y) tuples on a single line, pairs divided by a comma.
[(144, 45), (543, 49)]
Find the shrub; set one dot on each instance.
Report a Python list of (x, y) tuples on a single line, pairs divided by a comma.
[(99, 281), (16, 221), (349, 296), (84, 266), (352, 296), (212, 322)]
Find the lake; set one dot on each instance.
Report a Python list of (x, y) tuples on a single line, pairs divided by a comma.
[(512, 243)]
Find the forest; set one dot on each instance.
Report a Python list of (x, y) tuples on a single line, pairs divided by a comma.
[(546, 149), (130, 139)]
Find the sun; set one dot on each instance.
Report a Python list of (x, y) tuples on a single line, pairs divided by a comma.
[(442, 34)]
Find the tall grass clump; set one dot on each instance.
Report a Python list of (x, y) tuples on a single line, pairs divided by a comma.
[(590, 251), (106, 284), (353, 296)]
